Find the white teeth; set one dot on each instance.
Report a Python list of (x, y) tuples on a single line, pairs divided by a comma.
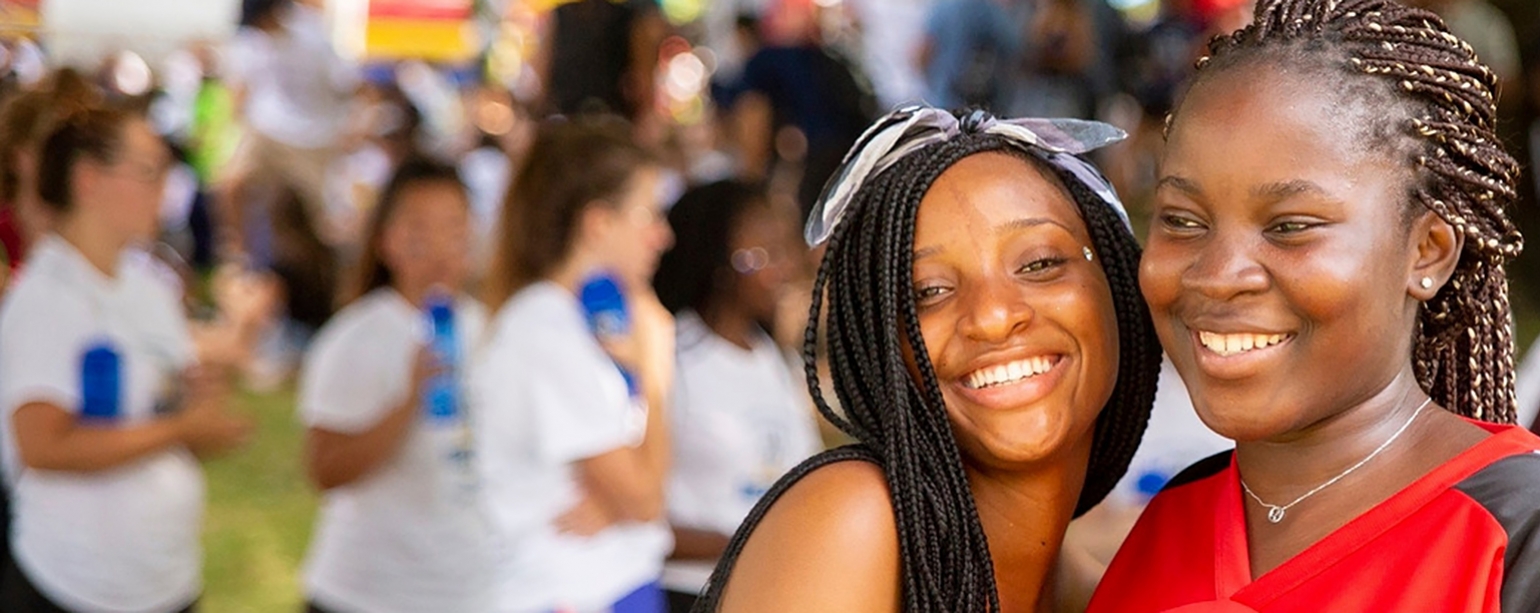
[(1231, 344), (1009, 373)]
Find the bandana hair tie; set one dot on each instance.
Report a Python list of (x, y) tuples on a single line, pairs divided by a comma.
[(909, 129)]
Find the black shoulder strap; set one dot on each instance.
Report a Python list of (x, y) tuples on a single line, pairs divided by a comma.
[(711, 598), (1200, 470)]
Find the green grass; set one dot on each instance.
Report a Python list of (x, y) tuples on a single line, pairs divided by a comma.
[(260, 510)]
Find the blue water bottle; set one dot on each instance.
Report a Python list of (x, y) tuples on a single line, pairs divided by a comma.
[(448, 422), (441, 396), (101, 382), (605, 305)]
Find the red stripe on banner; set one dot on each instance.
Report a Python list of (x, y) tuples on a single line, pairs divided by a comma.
[(435, 10)]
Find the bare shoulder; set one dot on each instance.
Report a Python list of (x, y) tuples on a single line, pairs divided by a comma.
[(829, 544)]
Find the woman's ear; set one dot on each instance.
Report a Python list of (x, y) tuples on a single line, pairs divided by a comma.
[(593, 225), (1436, 247), (26, 163), (82, 180)]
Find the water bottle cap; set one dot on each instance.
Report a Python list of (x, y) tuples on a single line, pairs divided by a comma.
[(439, 302), (605, 304), (601, 289)]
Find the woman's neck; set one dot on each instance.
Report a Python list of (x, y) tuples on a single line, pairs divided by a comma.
[(573, 271), (733, 325), (415, 294), (1281, 470), (1324, 449), (1025, 516), (30, 213), (100, 247)]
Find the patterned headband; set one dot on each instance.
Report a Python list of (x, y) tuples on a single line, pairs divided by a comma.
[(911, 128)]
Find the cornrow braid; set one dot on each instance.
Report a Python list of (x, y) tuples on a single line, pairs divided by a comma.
[(866, 280), (1441, 104)]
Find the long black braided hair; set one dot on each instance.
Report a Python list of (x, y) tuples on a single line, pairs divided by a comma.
[(866, 281), (1430, 102)]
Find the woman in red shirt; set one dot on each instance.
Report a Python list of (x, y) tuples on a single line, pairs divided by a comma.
[(1325, 269)]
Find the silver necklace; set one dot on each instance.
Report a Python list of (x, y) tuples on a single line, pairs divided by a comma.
[(1275, 512)]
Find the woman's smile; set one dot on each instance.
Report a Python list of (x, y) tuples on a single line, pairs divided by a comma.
[(1012, 384)]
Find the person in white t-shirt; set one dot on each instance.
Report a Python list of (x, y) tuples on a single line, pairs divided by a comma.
[(574, 453), (294, 95), (740, 417), (402, 529), (106, 408)]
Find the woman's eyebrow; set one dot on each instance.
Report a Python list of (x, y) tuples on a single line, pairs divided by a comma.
[(1031, 222), (1181, 184), (925, 252), (1282, 190)]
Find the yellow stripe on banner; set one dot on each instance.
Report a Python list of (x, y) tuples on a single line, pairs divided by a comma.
[(546, 5), (17, 22), (432, 40)]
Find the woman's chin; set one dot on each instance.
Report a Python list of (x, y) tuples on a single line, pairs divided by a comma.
[(1022, 456), (1242, 425), (1025, 445)]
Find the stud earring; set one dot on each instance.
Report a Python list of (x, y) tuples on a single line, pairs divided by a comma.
[(1088, 255), (1427, 283)]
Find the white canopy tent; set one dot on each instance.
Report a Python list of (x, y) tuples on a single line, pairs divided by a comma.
[(84, 32)]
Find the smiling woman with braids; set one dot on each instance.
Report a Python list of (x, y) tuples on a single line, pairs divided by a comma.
[(990, 351), (1325, 270)]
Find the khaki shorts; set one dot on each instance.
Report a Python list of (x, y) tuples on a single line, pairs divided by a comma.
[(260, 159)]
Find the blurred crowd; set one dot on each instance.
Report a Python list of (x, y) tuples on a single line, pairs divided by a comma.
[(790, 86), (426, 250)]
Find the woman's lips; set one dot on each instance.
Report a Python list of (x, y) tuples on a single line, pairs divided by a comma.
[(1013, 384), (1237, 355)]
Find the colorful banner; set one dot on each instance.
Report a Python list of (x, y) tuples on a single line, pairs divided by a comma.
[(542, 6), (19, 18), (434, 30)]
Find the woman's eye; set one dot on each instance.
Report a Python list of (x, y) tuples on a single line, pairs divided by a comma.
[(929, 294), (1042, 265), (1179, 222), (1291, 227)]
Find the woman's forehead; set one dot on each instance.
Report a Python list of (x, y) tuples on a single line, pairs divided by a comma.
[(1266, 124), (994, 190)]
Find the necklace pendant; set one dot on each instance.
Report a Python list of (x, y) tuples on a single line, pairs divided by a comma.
[(1274, 514)]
